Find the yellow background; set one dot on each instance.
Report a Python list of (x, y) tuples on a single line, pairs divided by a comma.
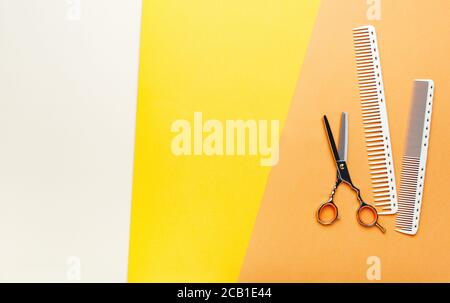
[(192, 216)]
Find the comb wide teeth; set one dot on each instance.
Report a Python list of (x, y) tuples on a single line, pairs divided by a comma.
[(412, 180), (375, 121), (407, 209)]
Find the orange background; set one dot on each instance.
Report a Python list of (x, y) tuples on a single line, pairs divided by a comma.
[(287, 243)]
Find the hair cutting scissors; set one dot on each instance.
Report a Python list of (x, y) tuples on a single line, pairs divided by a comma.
[(366, 214)]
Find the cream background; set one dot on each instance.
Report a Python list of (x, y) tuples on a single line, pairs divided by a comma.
[(67, 119)]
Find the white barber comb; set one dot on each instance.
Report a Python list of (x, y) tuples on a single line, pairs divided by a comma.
[(375, 119), (415, 158)]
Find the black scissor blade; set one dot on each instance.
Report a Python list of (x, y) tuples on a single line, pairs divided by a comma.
[(331, 139)]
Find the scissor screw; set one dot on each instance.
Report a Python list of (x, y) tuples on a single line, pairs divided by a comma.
[(341, 166)]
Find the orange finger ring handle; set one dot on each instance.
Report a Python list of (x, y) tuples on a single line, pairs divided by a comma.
[(367, 216), (327, 213)]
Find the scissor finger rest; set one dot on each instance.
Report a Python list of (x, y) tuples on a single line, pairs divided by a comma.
[(327, 213)]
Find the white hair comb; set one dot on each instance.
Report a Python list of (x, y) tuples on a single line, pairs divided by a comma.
[(375, 119), (415, 158)]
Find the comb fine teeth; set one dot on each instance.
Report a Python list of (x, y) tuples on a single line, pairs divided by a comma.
[(412, 180), (375, 120)]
